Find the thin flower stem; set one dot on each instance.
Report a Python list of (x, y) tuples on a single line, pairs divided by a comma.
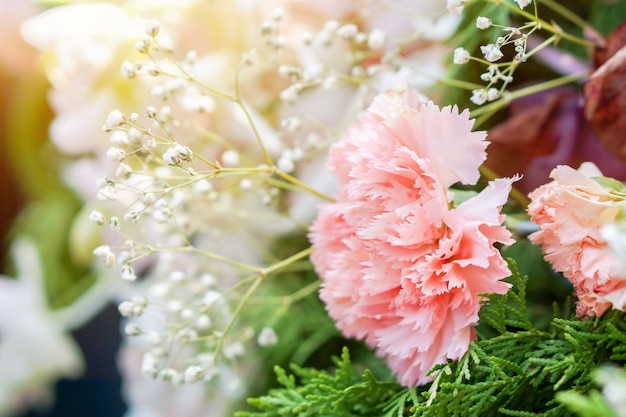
[(233, 320), (285, 262), (303, 186), (566, 13), (216, 257), (257, 135)]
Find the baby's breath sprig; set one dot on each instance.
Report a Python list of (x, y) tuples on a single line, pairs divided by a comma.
[(499, 75)]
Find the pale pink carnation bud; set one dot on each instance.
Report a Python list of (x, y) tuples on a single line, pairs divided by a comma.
[(401, 269), (570, 212)]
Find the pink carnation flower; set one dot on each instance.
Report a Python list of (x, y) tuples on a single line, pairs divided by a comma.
[(570, 212), (400, 268)]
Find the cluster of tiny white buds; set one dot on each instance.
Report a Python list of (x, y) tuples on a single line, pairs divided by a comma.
[(461, 56), (483, 22), (105, 255), (494, 74), (133, 307), (177, 155), (114, 119), (520, 49), (481, 96)]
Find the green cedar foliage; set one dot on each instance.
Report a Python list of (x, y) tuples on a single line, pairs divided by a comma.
[(518, 370)]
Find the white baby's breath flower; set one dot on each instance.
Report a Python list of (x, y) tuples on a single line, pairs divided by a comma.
[(107, 193), (348, 31), (177, 154), (376, 39), (97, 217), (455, 6), (523, 3), (152, 28), (106, 255), (230, 158), (483, 22), (479, 97), (491, 52), (492, 94), (114, 119), (132, 329), (116, 154), (128, 70), (193, 374), (461, 56), (128, 273), (267, 337)]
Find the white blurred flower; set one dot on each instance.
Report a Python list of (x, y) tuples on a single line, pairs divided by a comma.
[(35, 348)]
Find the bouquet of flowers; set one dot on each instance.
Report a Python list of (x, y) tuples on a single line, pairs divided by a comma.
[(336, 208)]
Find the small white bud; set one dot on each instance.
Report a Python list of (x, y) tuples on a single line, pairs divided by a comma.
[(461, 56), (278, 14), (348, 31), (230, 158), (128, 273), (97, 217), (114, 223), (479, 97), (116, 154), (376, 39), (483, 22), (105, 254), (492, 94), (491, 52), (193, 374), (177, 154), (132, 329), (114, 119), (456, 6), (152, 28), (128, 70), (123, 171), (267, 337)]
